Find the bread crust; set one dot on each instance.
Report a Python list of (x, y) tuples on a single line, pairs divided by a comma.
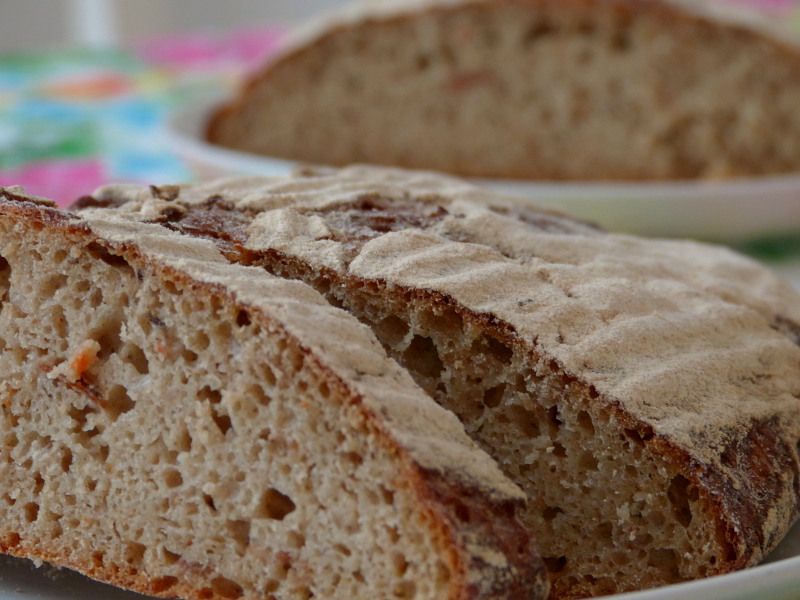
[(410, 237), (470, 508)]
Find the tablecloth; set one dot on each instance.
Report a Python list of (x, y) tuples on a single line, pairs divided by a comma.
[(71, 120)]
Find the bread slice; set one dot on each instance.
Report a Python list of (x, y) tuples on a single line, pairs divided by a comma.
[(531, 89), (645, 394), (184, 427)]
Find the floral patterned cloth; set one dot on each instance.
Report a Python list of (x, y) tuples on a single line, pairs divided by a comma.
[(73, 120)]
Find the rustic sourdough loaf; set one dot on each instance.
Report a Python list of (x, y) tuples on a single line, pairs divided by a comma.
[(554, 89), (181, 426), (645, 394)]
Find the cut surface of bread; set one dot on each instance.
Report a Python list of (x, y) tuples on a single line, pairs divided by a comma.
[(645, 394), (185, 427), (531, 89)]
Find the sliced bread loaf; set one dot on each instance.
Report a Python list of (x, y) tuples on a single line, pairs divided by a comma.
[(532, 89), (645, 394), (184, 427)]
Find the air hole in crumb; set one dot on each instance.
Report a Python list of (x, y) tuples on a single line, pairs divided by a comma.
[(209, 502), (585, 422), (79, 415), (171, 288), (242, 318), (114, 260), (66, 459), (343, 550), (387, 495), (172, 478), (259, 395), (296, 540), (422, 356), (551, 512), (222, 421), (634, 435), (189, 356), (31, 510), (212, 396), (267, 375), (391, 331), (134, 553), (102, 453), (275, 505), (555, 564), (170, 558), (136, 356), (497, 349), (494, 395), (226, 588), (678, 495), (5, 278), (559, 450), (184, 441), (239, 531), (553, 418), (119, 402), (354, 459), (400, 564)]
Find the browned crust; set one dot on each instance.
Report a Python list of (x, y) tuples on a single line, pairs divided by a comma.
[(670, 15), (442, 495)]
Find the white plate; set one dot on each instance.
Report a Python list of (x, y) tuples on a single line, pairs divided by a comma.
[(712, 210), (777, 579)]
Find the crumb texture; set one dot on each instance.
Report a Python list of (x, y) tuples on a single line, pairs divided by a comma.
[(643, 393), (189, 428), (555, 89)]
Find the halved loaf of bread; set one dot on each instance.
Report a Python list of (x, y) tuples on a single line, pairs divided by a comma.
[(645, 394), (184, 427), (553, 89)]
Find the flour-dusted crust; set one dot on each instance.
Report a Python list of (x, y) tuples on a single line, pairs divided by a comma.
[(532, 89), (644, 391), (165, 416)]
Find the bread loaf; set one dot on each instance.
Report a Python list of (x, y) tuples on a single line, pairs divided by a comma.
[(644, 394), (184, 427), (530, 89)]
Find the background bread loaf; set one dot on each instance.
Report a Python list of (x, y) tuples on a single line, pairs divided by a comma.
[(531, 89), (188, 428)]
